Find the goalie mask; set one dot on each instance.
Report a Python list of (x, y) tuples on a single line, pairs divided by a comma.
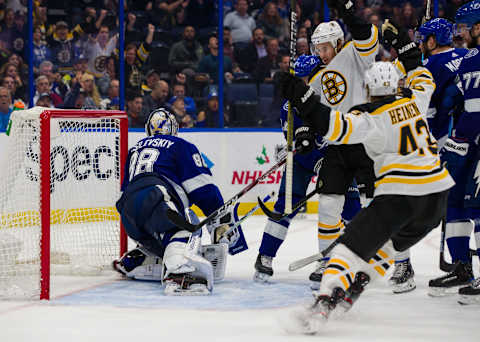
[(381, 79), (161, 122)]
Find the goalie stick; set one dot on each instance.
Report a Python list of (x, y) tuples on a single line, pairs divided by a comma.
[(180, 221), (277, 216)]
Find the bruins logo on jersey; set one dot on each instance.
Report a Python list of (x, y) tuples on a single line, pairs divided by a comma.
[(334, 87)]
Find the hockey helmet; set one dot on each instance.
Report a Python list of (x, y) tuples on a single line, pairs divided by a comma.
[(381, 79), (161, 121), (305, 64), (469, 13), (330, 32), (440, 28)]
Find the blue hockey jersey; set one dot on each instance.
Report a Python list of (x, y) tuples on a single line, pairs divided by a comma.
[(307, 161), (179, 165), (468, 82), (446, 97)]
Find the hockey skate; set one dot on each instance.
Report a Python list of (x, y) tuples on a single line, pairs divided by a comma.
[(448, 284), (402, 279), (139, 264), (353, 292), (185, 284), (263, 267), (470, 294), (311, 320), (316, 276)]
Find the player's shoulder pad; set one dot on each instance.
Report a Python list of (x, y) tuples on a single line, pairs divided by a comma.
[(370, 107)]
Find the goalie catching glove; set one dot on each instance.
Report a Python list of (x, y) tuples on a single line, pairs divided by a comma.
[(225, 229)]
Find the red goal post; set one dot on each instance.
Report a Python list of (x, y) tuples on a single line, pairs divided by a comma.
[(72, 218)]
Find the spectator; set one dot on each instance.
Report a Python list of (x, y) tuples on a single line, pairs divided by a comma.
[(98, 49), (201, 13), (284, 63), (184, 120), (19, 34), (302, 47), (5, 108), (135, 59), (157, 98), (8, 28), (248, 57), (228, 49), (110, 74), (164, 12), (41, 51), (302, 32), (151, 78), (112, 101), (44, 100), (241, 24), (185, 55), (208, 117), (87, 87), (272, 24), (57, 85), (62, 45), (43, 86), (209, 63), (181, 17), (10, 69), (406, 17), (134, 110), (268, 65), (9, 83), (179, 93)]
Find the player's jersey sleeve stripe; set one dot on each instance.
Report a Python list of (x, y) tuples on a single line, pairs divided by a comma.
[(387, 168), (363, 45), (349, 131), (400, 68), (472, 105), (386, 107), (335, 128), (413, 180), (197, 182), (419, 73)]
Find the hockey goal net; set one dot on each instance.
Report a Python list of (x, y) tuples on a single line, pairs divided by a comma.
[(60, 176)]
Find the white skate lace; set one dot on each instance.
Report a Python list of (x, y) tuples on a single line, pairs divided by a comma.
[(266, 261), (400, 269)]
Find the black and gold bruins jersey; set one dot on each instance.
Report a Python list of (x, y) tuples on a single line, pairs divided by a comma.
[(340, 83), (396, 137)]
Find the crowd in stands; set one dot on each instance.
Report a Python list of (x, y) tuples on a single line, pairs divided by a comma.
[(171, 54)]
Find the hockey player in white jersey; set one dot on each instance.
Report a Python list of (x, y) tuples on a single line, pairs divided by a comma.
[(411, 186), (339, 86), (442, 60), (165, 172)]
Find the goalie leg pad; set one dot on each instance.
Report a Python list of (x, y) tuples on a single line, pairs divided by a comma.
[(216, 254)]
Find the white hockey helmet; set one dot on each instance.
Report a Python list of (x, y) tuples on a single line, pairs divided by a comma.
[(161, 121), (329, 32), (381, 79)]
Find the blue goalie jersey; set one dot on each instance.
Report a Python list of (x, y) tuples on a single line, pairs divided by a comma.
[(446, 97), (180, 167)]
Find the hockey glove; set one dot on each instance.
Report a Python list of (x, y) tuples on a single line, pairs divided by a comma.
[(223, 230), (344, 7), (298, 93), (397, 37), (304, 140)]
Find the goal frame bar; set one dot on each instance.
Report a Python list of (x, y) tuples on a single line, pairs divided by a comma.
[(45, 148)]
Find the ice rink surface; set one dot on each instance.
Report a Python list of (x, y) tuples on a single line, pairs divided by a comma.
[(109, 308)]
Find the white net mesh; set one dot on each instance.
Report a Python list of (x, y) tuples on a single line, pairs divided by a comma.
[(85, 184)]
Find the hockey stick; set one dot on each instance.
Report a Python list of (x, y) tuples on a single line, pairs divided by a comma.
[(254, 209), (277, 216), (444, 265), (180, 221), (308, 260), (427, 12), (289, 167)]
